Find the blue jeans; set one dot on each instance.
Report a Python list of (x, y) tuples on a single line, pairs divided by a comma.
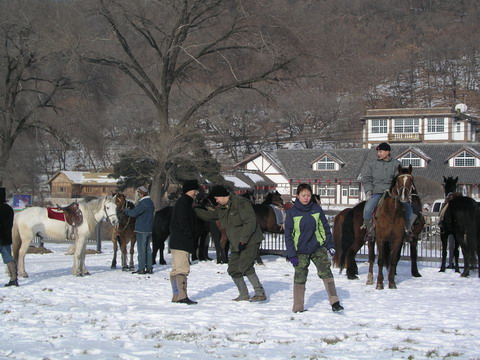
[(6, 251), (372, 203), (144, 251)]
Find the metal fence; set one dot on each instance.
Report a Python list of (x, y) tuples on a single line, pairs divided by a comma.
[(429, 246)]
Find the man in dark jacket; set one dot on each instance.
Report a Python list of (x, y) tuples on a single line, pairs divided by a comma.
[(182, 241), (240, 222), (6, 224), (143, 213)]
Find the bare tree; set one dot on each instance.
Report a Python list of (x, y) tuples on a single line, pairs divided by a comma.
[(183, 54)]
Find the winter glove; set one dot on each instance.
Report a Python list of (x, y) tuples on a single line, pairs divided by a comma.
[(242, 246), (368, 195), (331, 251), (294, 261)]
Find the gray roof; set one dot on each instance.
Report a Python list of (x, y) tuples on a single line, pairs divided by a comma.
[(296, 164)]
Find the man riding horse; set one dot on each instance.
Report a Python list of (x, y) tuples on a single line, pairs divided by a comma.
[(376, 180)]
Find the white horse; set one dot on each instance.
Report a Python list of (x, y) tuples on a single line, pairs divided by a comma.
[(34, 222)]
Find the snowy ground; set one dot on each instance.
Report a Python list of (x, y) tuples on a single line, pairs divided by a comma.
[(116, 315)]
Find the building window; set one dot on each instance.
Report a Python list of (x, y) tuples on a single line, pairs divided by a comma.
[(326, 191), (353, 191), (436, 125), (458, 127), (326, 164), (464, 159), (88, 189), (411, 159), (379, 126), (408, 125)]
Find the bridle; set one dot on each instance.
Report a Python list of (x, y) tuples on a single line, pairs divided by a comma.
[(121, 209), (107, 215), (402, 191)]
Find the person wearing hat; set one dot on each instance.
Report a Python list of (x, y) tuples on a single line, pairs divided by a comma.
[(376, 180), (6, 224), (143, 213), (182, 241), (237, 216)]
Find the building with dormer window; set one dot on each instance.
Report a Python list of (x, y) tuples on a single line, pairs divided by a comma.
[(436, 142)]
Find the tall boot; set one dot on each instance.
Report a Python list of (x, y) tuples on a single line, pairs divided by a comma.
[(257, 286), (409, 228), (242, 289), (332, 294), (298, 297), (370, 235), (182, 297), (12, 270), (173, 282)]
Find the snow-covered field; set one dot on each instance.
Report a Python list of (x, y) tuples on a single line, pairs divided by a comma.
[(117, 315)]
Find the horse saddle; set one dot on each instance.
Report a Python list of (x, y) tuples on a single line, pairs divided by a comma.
[(71, 214)]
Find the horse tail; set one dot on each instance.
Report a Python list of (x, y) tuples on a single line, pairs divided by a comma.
[(16, 241), (337, 238), (346, 238)]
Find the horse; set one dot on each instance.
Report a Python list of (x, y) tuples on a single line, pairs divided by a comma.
[(390, 227), (460, 218), (267, 215), (124, 234), (161, 232), (34, 222), (349, 238)]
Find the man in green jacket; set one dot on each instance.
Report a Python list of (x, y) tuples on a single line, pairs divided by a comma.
[(240, 222)]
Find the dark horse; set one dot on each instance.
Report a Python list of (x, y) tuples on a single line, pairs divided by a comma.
[(161, 232), (124, 234), (349, 238), (460, 218), (266, 216), (390, 227)]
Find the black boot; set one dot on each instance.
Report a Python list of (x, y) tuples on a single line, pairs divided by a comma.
[(336, 307)]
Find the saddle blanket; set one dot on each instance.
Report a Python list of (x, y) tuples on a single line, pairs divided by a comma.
[(55, 214), (279, 214)]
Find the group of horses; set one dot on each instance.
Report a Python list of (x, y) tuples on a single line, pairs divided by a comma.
[(124, 236), (460, 218)]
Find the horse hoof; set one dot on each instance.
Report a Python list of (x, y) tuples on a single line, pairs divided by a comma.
[(353, 277), (379, 287), (124, 268), (113, 267), (392, 286), (86, 274), (163, 263)]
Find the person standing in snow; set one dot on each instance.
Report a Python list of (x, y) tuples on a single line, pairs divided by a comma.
[(237, 216), (308, 238), (143, 213), (6, 224), (182, 240)]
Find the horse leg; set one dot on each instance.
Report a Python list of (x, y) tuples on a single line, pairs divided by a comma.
[(78, 268), (371, 262), (466, 254), (352, 268), (115, 249), (413, 259), (161, 249), (456, 254), (20, 248), (123, 247), (444, 239), (380, 261), (133, 240), (394, 258)]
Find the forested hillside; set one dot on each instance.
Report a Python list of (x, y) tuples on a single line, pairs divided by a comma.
[(86, 82)]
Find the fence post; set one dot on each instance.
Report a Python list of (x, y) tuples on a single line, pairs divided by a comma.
[(98, 235)]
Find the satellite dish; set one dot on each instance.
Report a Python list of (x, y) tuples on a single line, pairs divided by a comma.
[(461, 108)]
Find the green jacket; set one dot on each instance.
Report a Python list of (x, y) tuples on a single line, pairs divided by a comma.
[(239, 220)]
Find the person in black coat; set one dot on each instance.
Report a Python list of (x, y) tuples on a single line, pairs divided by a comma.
[(182, 241), (6, 224)]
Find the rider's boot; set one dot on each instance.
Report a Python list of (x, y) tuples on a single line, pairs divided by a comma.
[(370, 235), (409, 228)]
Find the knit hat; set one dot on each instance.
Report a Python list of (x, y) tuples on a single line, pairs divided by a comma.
[(384, 146), (143, 189), (219, 190), (189, 185)]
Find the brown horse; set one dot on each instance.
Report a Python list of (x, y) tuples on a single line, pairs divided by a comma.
[(390, 227), (124, 234)]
